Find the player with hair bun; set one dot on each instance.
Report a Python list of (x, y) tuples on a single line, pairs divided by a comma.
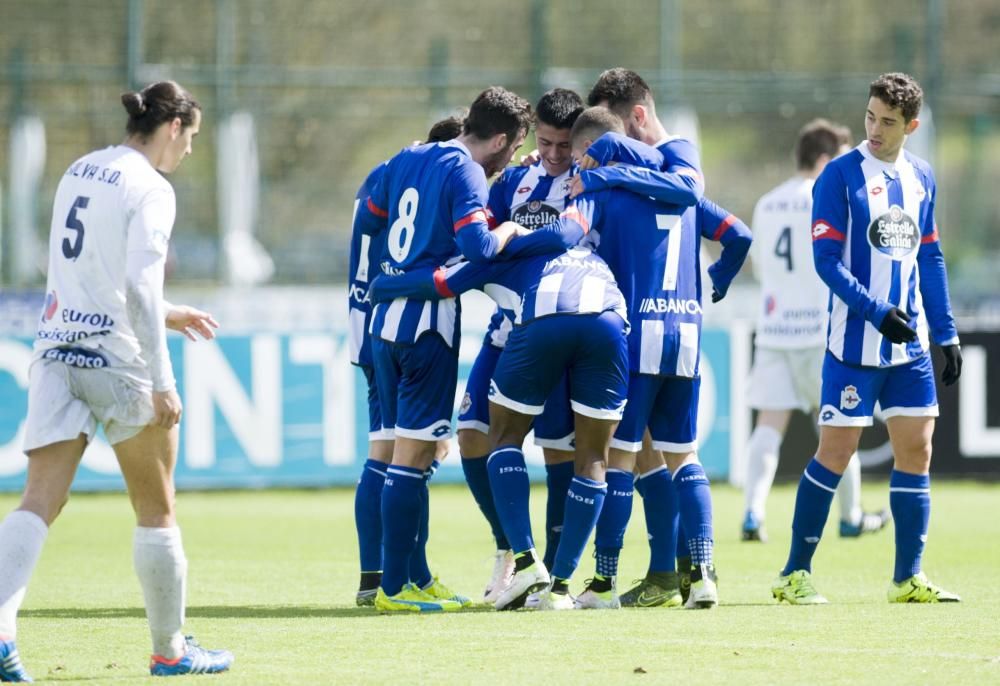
[(101, 358)]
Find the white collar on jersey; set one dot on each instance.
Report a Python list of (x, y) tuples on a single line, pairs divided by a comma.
[(890, 168)]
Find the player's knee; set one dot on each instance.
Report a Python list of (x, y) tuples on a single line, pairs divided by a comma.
[(473, 443), (914, 459), (47, 507)]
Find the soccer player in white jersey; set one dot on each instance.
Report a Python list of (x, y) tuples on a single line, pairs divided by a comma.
[(791, 331), (875, 244), (101, 358)]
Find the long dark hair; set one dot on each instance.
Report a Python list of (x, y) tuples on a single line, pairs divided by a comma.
[(155, 104)]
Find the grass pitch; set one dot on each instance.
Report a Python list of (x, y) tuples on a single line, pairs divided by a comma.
[(272, 577)]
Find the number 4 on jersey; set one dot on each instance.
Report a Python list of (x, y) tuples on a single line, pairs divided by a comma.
[(72, 250), (783, 248)]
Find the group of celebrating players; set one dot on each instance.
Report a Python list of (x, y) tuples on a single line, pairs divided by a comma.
[(591, 253)]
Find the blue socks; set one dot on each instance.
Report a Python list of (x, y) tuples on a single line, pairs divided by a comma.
[(694, 500), (420, 572), (610, 535), (910, 502), (402, 510), (511, 493), (478, 478), (584, 501), (659, 503), (368, 514), (812, 506), (557, 478)]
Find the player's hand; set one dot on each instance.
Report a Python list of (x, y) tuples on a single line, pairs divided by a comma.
[(166, 409), (952, 364), (576, 187), (188, 320), (895, 327), (588, 162), (530, 158)]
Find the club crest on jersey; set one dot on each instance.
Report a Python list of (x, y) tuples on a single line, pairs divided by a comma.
[(534, 214), (849, 398), (466, 404), (770, 304), (51, 305), (894, 234)]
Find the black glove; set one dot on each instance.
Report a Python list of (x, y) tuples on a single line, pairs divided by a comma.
[(952, 364), (895, 328), (716, 295)]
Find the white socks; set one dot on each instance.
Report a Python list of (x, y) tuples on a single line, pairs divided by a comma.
[(849, 492), (22, 535), (162, 570), (762, 462)]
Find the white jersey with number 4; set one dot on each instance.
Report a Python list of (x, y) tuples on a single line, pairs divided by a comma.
[(793, 310), (108, 203)]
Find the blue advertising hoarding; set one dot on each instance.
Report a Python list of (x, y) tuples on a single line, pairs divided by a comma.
[(287, 409)]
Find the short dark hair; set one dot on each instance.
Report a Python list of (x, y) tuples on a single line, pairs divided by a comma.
[(445, 130), (155, 104), (621, 89), (817, 138), (595, 121), (559, 108), (898, 90), (497, 110)]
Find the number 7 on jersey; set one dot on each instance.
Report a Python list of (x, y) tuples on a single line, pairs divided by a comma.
[(671, 223)]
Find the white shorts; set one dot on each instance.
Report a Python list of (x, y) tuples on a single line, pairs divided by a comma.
[(786, 379), (66, 401)]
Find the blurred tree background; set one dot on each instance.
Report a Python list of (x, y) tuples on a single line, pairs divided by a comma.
[(336, 86)]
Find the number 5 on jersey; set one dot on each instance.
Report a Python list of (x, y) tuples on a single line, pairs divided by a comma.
[(72, 250), (401, 232)]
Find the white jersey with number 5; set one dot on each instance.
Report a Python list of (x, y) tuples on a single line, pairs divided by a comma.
[(793, 310), (108, 203)]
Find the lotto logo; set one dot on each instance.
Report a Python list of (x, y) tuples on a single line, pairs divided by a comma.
[(441, 431), (849, 398), (493, 389), (827, 415), (820, 229)]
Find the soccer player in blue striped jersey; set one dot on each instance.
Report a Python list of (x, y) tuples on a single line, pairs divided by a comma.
[(875, 244), (545, 296), (429, 206), (532, 196), (659, 273), (679, 181), (365, 256)]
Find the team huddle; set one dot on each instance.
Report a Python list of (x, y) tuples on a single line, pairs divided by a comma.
[(592, 254)]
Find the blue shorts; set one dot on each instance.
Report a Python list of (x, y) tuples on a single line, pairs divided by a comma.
[(416, 386), (591, 348), (553, 427), (850, 392), (668, 406), (376, 431)]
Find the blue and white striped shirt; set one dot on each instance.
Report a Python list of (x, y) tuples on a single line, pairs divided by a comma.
[(875, 244)]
